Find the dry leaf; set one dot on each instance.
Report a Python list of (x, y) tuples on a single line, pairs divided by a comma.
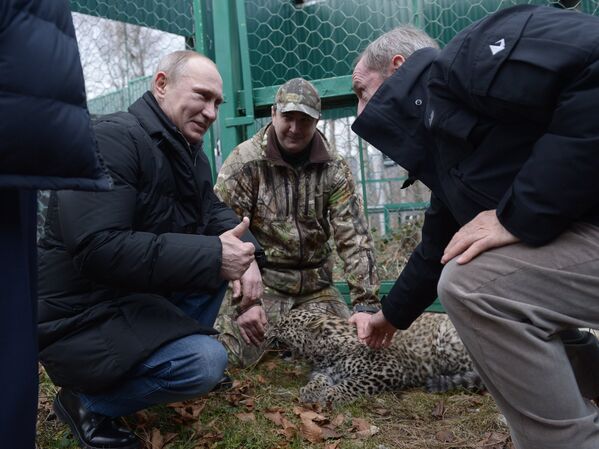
[(313, 416), (270, 365), (439, 410), (288, 424), (246, 417), (338, 420), (158, 441), (360, 424), (260, 379), (493, 440), (249, 403), (334, 445), (445, 436), (382, 411), (328, 433), (367, 433), (275, 417), (311, 431)]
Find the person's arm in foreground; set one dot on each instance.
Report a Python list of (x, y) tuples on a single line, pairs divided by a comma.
[(416, 287)]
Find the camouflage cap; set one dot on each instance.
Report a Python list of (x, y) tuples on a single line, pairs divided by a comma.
[(300, 95)]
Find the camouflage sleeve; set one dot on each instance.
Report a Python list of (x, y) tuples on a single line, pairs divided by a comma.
[(352, 238), (234, 185)]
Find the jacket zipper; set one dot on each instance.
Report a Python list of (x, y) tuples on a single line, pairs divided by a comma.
[(296, 207)]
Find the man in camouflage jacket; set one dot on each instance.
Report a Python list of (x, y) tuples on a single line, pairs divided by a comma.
[(298, 192)]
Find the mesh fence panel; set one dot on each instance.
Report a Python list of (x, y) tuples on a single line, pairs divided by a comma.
[(121, 42)]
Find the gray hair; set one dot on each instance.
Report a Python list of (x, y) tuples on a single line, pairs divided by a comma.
[(403, 40), (174, 63)]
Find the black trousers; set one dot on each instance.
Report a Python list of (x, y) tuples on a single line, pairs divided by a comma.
[(18, 320)]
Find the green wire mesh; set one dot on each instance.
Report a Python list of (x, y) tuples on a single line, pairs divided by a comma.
[(121, 42)]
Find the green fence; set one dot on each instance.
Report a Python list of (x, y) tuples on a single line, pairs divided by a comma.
[(258, 45)]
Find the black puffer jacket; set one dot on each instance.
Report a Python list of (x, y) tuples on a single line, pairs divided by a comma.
[(504, 118), (46, 139), (109, 262)]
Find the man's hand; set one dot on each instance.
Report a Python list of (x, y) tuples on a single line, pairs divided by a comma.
[(237, 255), (360, 319), (249, 287), (379, 332), (252, 324), (483, 232)]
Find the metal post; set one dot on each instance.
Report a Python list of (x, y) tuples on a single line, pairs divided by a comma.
[(363, 177), (212, 135)]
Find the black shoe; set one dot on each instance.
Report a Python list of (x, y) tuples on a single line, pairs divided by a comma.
[(94, 431), (226, 383)]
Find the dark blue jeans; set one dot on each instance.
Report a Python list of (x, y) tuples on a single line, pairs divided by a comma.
[(182, 369), (18, 320)]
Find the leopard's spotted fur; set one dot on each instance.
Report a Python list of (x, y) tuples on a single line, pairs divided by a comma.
[(429, 353)]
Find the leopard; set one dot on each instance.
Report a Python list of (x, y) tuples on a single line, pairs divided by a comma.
[(429, 354)]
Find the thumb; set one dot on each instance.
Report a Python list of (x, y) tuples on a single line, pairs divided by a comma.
[(240, 229)]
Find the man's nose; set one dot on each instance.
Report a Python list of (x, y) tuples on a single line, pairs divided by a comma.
[(210, 111)]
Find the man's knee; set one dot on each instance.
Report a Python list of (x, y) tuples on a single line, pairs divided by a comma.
[(457, 281), (199, 370)]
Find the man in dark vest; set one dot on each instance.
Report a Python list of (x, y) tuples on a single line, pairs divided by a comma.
[(131, 280), (501, 126)]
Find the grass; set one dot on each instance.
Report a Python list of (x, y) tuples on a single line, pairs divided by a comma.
[(262, 411)]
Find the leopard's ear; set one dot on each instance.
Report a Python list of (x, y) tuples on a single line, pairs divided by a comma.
[(315, 322)]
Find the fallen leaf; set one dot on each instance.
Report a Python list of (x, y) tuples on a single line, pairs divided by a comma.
[(439, 410), (367, 433), (249, 403), (338, 420), (445, 436), (158, 441), (311, 431), (270, 365), (275, 417), (493, 440), (246, 417), (360, 424), (260, 379), (382, 411), (313, 416)]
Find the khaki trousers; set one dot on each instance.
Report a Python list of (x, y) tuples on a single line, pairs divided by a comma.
[(508, 304)]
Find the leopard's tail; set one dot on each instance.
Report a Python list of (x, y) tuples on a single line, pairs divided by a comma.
[(470, 380)]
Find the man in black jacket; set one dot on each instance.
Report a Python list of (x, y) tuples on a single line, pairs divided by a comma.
[(501, 126), (131, 280)]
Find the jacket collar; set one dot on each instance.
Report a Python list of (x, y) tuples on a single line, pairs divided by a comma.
[(319, 152), (393, 119)]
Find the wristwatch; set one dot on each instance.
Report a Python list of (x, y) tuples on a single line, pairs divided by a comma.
[(365, 308)]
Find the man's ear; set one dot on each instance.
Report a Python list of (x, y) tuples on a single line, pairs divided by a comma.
[(396, 62), (160, 83)]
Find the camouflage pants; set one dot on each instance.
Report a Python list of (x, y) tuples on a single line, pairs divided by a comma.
[(276, 305)]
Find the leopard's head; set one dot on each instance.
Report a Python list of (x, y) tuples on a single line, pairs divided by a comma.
[(297, 330)]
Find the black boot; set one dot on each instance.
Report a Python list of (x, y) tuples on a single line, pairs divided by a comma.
[(94, 431), (582, 349)]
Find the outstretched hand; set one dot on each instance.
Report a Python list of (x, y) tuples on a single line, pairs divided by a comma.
[(483, 232), (379, 332), (360, 320), (236, 255)]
